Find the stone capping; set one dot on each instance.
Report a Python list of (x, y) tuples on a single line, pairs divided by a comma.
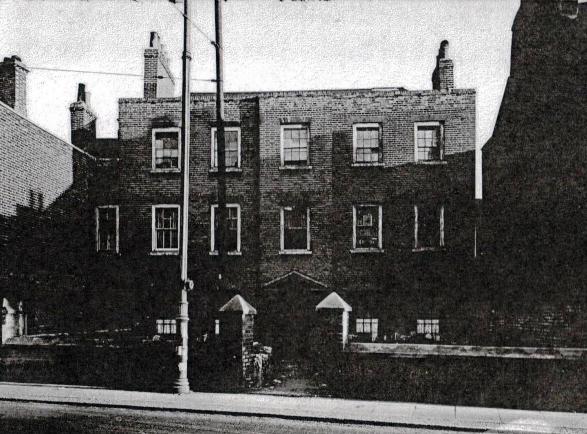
[(349, 93), (238, 304), (426, 350), (334, 301)]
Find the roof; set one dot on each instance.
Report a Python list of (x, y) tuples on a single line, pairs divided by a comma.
[(238, 304), (334, 301)]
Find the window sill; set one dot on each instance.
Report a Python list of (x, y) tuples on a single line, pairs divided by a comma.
[(108, 252), (367, 250), (428, 249), (227, 170), (366, 164), (295, 252), (215, 253), (432, 162), (165, 171), (286, 167), (164, 253)]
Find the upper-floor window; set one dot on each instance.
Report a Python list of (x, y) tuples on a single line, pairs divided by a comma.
[(367, 227), (295, 140), (367, 144), (107, 228), (295, 230), (428, 227), (232, 239), (166, 149), (232, 147), (429, 141), (165, 228)]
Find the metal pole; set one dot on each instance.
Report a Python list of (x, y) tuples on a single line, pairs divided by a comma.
[(220, 137), (182, 384)]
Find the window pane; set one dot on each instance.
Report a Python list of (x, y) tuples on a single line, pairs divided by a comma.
[(231, 239), (166, 227), (429, 226), (230, 148), (107, 229)]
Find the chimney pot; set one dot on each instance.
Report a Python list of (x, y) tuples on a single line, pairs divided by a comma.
[(81, 92)]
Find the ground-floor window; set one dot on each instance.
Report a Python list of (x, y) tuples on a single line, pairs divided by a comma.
[(428, 227)]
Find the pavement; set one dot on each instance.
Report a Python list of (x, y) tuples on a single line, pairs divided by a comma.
[(457, 418)]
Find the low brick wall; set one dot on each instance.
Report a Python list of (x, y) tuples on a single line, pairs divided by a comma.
[(136, 367), (557, 385)]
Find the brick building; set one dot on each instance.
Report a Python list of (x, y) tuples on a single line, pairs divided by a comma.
[(44, 209), (366, 192), (534, 236)]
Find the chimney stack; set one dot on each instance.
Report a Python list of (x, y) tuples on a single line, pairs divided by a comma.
[(158, 79), (443, 75), (13, 83), (83, 120)]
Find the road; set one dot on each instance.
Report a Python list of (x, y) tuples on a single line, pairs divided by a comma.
[(18, 417)]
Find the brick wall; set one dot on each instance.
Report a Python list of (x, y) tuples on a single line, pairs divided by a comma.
[(45, 220)]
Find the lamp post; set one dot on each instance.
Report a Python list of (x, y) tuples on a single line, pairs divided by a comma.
[(182, 384)]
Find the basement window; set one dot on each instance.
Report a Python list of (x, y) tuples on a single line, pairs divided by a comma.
[(367, 327), (429, 328), (166, 150), (107, 228), (166, 327)]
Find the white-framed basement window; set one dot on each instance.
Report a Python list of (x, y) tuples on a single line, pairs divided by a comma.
[(166, 150), (295, 230), (428, 227), (367, 326), (367, 228), (429, 328), (165, 229), (367, 144), (233, 239), (107, 228), (232, 148)]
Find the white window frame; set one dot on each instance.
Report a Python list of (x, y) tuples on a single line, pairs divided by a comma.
[(166, 326), (179, 144), (154, 248), (291, 126), (305, 251), (365, 163), (380, 229), (423, 323), (418, 248), (213, 209), (97, 216), (371, 322), (213, 132), (441, 144)]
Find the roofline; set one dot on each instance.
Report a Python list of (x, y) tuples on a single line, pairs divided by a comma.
[(390, 91), (46, 131)]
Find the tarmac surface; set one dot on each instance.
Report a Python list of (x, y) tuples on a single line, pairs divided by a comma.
[(308, 409)]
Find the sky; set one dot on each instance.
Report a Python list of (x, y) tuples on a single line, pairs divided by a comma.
[(269, 45)]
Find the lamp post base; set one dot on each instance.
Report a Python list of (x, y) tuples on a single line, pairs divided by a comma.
[(181, 386)]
